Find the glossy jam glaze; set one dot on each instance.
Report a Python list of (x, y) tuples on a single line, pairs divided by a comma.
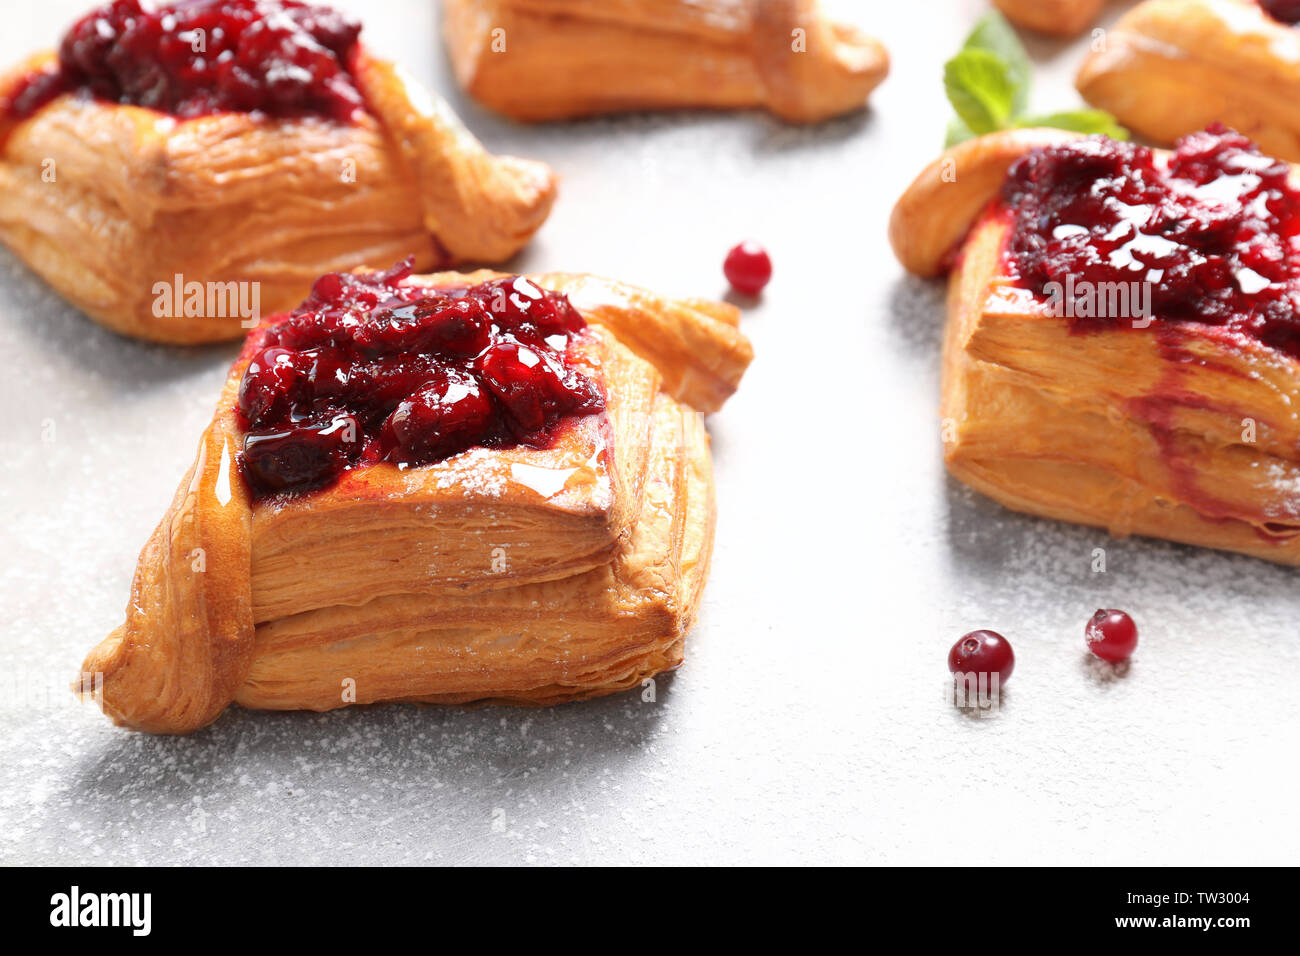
[(1212, 236), (200, 57), (371, 368)]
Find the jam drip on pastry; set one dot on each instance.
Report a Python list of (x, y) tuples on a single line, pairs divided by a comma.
[(201, 57), (1212, 235), (1285, 11), (369, 369)]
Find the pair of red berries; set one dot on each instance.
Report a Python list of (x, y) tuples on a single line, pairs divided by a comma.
[(1111, 635)]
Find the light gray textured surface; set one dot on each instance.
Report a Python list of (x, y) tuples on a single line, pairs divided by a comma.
[(809, 722)]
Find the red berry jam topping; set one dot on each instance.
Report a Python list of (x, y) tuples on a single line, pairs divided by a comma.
[(1286, 11), (372, 368), (1213, 235), (982, 652), (1112, 635), (748, 268), (198, 57)]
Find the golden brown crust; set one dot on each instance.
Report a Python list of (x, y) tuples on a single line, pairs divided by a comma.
[(1058, 17), (522, 575), (1171, 67), (558, 59), (936, 212), (110, 203), (1111, 428)]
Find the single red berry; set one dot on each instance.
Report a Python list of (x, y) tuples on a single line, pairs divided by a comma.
[(983, 652), (748, 268), (1112, 635)]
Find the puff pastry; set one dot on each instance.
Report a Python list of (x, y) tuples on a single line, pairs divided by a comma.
[(558, 59), (1184, 430), (1060, 17), (517, 574), (1170, 67), (106, 201)]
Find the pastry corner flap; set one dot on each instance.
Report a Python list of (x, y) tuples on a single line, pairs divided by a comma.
[(187, 641)]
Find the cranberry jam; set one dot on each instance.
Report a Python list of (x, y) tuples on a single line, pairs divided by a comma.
[(1287, 11), (1212, 234), (199, 57), (370, 368)]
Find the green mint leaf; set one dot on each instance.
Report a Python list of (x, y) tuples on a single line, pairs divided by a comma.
[(995, 35), (1080, 121), (980, 89)]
